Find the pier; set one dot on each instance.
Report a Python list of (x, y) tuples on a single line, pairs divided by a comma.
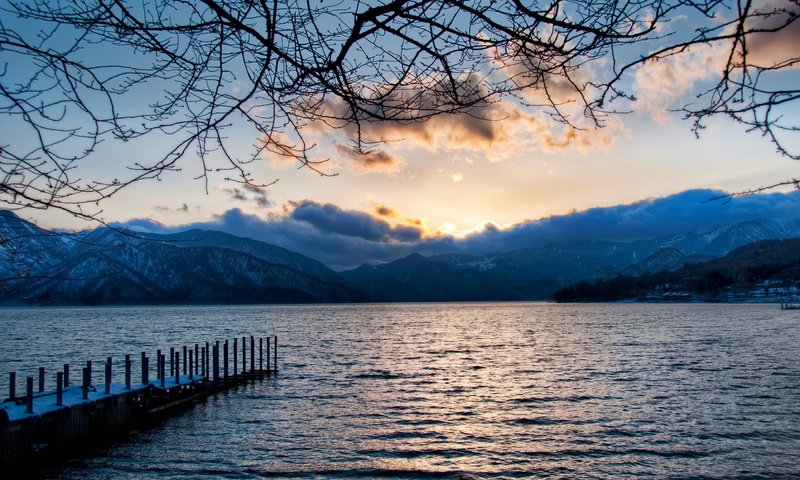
[(787, 304), (37, 420)]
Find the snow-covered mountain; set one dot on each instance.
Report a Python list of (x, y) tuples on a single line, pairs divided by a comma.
[(536, 273), (107, 266)]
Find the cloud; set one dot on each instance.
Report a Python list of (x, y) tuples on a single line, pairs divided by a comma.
[(644, 219), (370, 160), (660, 83), (384, 211), (329, 218), (498, 129), (277, 149), (345, 239), (774, 48), (184, 208), (247, 193)]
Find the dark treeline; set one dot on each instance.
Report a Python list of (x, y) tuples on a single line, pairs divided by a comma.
[(743, 269)]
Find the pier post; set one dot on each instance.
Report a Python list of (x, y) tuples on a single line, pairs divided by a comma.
[(59, 389), (162, 369), (269, 354), (191, 365), (203, 362), (275, 355), (127, 371), (41, 379), (158, 364), (171, 361), (29, 395), (225, 360), (261, 355), (207, 357), (196, 359), (108, 376), (177, 368), (86, 381), (185, 359), (66, 375), (252, 354), (235, 357), (145, 369), (216, 362), (12, 385), (244, 356)]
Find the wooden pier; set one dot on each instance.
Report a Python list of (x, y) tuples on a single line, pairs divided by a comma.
[(41, 420), (787, 304)]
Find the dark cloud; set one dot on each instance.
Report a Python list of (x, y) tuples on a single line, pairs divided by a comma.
[(249, 193), (371, 161), (347, 238), (330, 218), (384, 211)]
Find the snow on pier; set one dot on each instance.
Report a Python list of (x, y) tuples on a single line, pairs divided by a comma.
[(43, 419)]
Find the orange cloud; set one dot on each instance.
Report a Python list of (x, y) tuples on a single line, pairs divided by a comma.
[(384, 211), (400, 219), (499, 129), (277, 149), (370, 161), (779, 48)]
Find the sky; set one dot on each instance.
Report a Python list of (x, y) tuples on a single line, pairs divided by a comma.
[(454, 178)]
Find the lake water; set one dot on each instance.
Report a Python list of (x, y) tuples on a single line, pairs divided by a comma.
[(453, 390)]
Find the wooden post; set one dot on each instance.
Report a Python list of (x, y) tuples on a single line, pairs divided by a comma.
[(86, 381), (225, 360), (235, 357), (41, 379), (172, 361), (191, 365), (162, 370), (244, 356), (127, 371), (196, 359), (59, 389), (158, 364), (275, 355), (207, 357), (66, 375), (252, 354), (29, 395), (185, 359), (203, 363), (12, 385), (177, 368), (261, 355), (216, 362), (108, 376), (269, 355), (145, 370)]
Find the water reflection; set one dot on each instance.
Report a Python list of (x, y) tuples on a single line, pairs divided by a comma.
[(482, 390)]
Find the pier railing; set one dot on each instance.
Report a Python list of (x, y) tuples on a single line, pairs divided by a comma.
[(38, 418)]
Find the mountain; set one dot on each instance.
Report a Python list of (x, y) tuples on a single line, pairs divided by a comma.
[(264, 251), (754, 271), (108, 266), (536, 273), (27, 250)]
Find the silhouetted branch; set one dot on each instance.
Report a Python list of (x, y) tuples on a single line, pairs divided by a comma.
[(76, 74)]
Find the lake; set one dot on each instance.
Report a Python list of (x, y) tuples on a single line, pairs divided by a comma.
[(481, 390)]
